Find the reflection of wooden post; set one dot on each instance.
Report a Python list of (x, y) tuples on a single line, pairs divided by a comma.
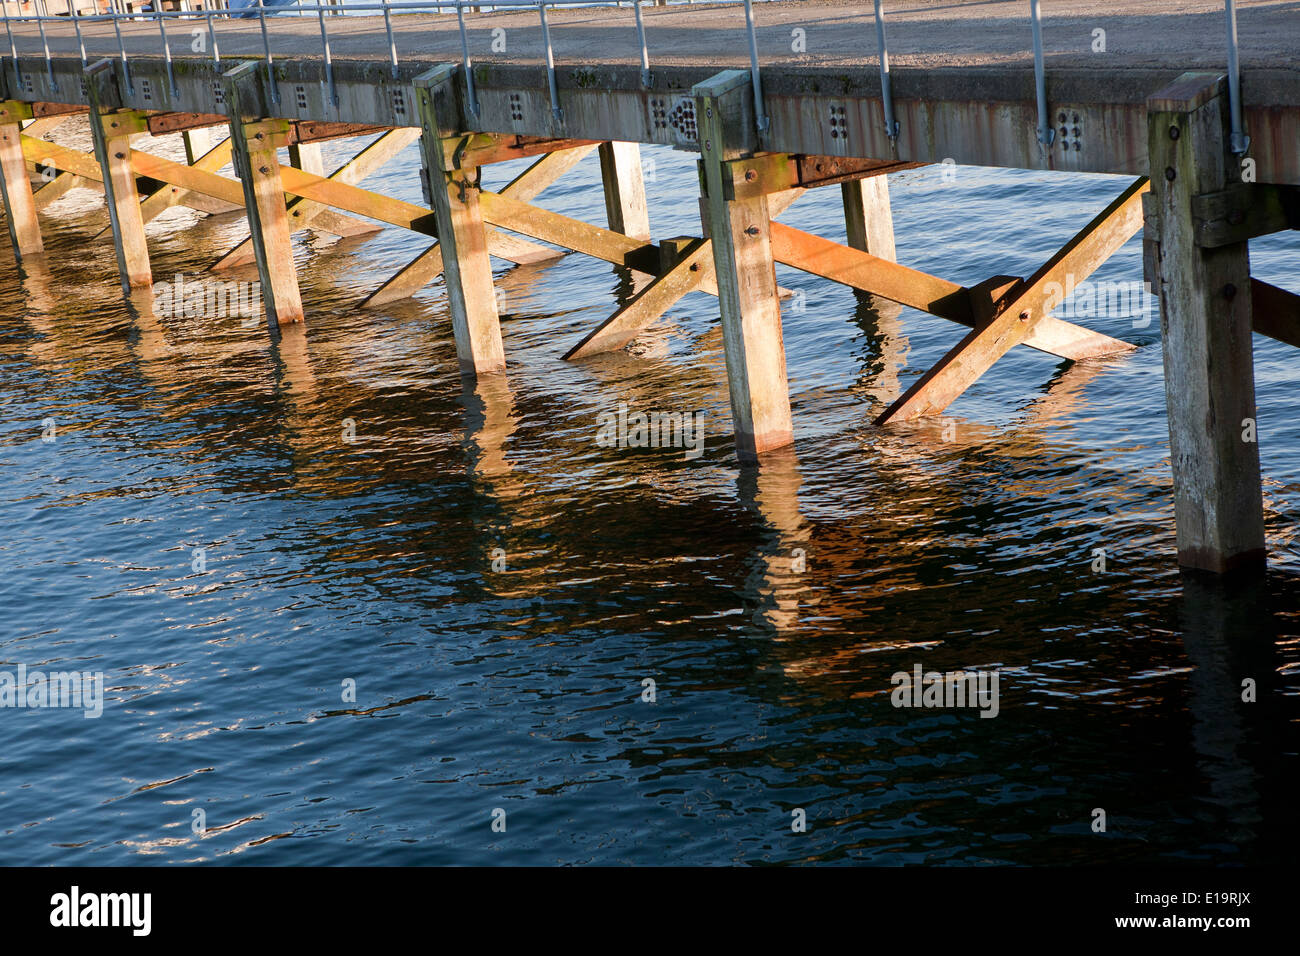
[(868, 219), (454, 191), (254, 147), (20, 209), (625, 205), (746, 277), (1205, 313), (112, 133)]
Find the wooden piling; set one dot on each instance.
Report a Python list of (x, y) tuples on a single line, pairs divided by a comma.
[(624, 182), (111, 131), (745, 274), (254, 143), (1206, 318), (455, 192), (868, 219), (16, 188)]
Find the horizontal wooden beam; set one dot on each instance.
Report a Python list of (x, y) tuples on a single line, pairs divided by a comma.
[(480, 149), (160, 123), (774, 172), (313, 131), (1244, 211), (1276, 312)]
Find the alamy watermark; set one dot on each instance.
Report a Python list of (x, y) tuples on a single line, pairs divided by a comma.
[(1100, 299), (950, 689), (208, 299), (624, 429), (38, 690)]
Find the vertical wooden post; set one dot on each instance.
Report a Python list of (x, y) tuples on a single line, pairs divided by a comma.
[(254, 149), (454, 194), (1206, 322), (308, 158), (16, 186), (197, 144), (111, 132), (746, 276), (625, 205), (868, 218)]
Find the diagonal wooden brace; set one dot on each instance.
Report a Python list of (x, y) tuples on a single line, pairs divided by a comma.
[(919, 290), (1016, 317)]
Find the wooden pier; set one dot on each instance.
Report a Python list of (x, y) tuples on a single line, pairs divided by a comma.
[(825, 119)]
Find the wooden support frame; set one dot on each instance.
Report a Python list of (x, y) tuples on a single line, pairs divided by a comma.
[(455, 192), (254, 142), (1206, 315), (1013, 317), (689, 271), (427, 266), (305, 213), (111, 132)]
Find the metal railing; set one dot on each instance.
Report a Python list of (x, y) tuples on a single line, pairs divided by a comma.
[(1045, 133)]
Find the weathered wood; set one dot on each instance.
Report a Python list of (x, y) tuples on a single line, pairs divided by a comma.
[(427, 266), (16, 187), (1206, 315), (746, 277), (111, 133), (160, 123), (1276, 312), (60, 186), (483, 149), (919, 290), (766, 173), (1244, 211), (650, 303), (467, 268), (624, 183), (868, 218), (1015, 320), (254, 151)]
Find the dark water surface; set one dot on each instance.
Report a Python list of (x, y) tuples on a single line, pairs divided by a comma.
[(372, 561)]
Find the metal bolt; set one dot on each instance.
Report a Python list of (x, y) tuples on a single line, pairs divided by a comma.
[(1024, 316), (119, 155), (263, 169), (751, 230), (259, 136), (1174, 132), (708, 145), (1170, 174), (750, 175), (1229, 291), (708, 111)]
